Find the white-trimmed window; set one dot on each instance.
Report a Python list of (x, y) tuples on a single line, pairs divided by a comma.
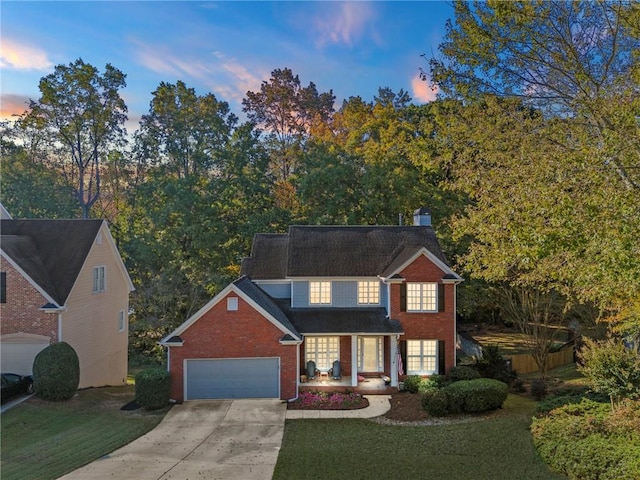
[(368, 293), (323, 351), (122, 321), (99, 279), (319, 293), (370, 354), (232, 304), (422, 297), (422, 357)]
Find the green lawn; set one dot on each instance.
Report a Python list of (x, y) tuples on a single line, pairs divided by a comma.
[(44, 440), (494, 448)]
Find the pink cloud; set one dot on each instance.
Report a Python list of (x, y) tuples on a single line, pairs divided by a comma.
[(12, 105), (422, 91), (19, 56)]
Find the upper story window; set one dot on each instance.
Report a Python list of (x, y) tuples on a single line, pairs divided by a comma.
[(99, 279), (319, 293), (122, 321), (369, 293), (422, 297)]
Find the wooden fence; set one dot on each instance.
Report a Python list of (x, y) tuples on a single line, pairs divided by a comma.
[(526, 364)]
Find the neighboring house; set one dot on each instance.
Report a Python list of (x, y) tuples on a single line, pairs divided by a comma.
[(64, 280), (380, 299)]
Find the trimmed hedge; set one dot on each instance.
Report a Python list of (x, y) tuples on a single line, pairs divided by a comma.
[(153, 387), (56, 372), (463, 373), (467, 396), (587, 441)]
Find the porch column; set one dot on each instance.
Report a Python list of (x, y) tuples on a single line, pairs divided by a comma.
[(393, 351), (354, 360)]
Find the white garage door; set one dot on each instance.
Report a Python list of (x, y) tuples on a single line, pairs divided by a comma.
[(19, 351), (232, 378)]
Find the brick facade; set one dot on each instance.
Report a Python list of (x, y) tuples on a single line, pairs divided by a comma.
[(244, 333), (21, 313), (427, 326)]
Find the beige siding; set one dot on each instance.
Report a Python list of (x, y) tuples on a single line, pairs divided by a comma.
[(90, 322)]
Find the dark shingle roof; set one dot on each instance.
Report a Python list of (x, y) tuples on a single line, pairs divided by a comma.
[(334, 251), (309, 321), (266, 302), (50, 252)]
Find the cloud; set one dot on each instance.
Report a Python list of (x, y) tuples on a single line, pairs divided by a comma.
[(343, 23), (421, 90), (241, 79), (18, 56), (11, 105)]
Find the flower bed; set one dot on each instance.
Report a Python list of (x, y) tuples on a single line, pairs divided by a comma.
[(328, 401)]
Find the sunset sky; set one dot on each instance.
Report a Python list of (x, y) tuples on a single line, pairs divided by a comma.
[(227, 48)]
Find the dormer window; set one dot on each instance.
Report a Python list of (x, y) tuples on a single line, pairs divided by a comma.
[(368, 293), (319, 293)]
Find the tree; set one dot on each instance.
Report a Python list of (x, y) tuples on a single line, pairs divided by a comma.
[(545, 142), (184, 133), (82, 116), (287, 111), (611, 369)]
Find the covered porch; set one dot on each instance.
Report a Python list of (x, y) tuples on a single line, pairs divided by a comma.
[(371, 385)]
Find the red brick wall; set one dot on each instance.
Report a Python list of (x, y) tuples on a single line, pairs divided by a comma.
[(237, 334), (427, 326), (21, 313)]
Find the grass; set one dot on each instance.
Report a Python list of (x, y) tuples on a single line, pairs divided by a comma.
[(44, 440), (497, 447)]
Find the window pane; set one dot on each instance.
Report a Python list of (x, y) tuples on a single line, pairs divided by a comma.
[(368, 292), (421, 297), (320, 292)]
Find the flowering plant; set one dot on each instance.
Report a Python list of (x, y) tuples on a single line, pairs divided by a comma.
[(329, 401)]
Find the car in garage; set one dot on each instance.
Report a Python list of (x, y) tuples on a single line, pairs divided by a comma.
[(14, 385)]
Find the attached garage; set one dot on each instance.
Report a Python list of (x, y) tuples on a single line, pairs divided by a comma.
[(19, 350), (232, 378)]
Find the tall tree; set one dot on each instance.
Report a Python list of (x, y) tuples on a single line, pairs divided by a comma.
[(184, 133), (287, 112), (82, 115), (545, 141)]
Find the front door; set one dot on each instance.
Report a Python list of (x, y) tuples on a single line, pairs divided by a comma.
[(370, 354)]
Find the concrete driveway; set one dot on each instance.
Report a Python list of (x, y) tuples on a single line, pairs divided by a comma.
[(213, 439)]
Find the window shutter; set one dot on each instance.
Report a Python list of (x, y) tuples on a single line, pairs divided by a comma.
[(441, 297), (3, 287), (441, 358), (403, 354), (403, 297)]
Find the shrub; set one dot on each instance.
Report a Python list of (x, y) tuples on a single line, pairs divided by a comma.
[(475, 396), (538, 388), (153, 387), (587, 441), (56, 372), (463, 373), (493, 365), (435, 403), (413, 383), (438, 381)]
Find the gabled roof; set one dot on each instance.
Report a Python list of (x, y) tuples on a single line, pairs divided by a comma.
[(336, 251), (50, 252), (254, 296)]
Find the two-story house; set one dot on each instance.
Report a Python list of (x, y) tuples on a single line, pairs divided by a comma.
[(381, 300), (64, 280)]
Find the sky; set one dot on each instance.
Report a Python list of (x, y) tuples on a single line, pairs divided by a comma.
[(222, 47)]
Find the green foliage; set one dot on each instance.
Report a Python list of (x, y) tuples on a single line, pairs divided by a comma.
[(153, 388), (560, 400), (539, 388), (458, 373), (413, 383), (611, 369), (56, 372), (493, 365), (588, 441), (436, 403), (474, 396)]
